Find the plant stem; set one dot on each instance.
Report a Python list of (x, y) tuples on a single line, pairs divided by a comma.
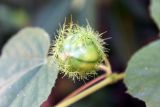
[(107, 66), (89, 84), (110, 80)]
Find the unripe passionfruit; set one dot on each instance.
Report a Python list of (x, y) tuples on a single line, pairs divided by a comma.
[(78, 51)]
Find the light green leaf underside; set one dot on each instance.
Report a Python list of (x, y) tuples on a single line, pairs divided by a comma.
[(155, 11), (143, 75), (25, 77)]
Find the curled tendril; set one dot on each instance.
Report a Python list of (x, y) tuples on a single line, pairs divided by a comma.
[(77, 51)]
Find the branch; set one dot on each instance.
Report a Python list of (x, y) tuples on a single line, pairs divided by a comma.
[(110, 80), (89, 84)]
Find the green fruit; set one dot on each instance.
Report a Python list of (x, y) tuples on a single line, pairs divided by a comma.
[(78, 51)]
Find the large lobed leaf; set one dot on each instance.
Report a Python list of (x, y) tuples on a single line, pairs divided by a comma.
[(155, 11), (143, 74), (25, 77)]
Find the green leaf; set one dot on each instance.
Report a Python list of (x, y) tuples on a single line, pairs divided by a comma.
[(143, 74), (25, 77), (155, 11)]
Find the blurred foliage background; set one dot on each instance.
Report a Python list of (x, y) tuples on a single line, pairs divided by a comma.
[(128, 22)]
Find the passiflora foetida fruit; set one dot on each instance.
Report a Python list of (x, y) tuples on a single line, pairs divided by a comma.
[(77, 51)]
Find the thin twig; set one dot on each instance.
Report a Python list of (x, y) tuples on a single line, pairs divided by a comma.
[(110, 80), (89, 84), (107, 66)]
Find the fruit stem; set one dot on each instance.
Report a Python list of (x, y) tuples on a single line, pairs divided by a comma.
[(109, 80), (107, 66), (84, 87)]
